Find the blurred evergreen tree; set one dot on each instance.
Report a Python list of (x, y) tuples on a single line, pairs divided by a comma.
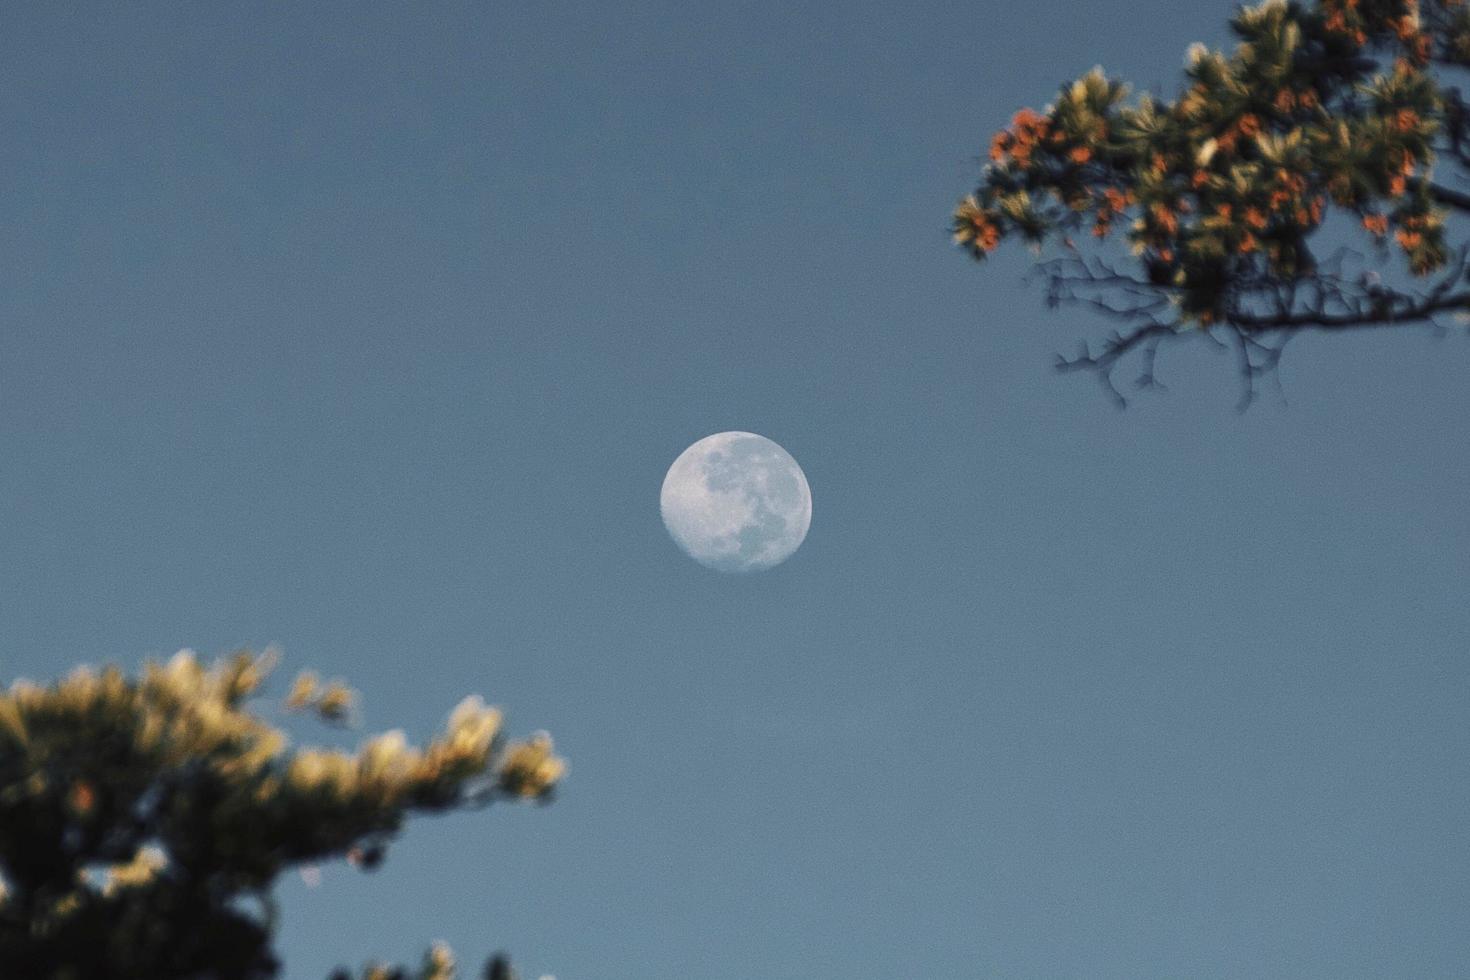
[(143, 821)]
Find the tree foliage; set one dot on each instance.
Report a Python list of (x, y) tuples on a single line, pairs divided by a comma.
[(143, 821), (1338, 109)]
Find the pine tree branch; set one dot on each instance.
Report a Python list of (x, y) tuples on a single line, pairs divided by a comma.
[(1447, 196), (1384, 316)]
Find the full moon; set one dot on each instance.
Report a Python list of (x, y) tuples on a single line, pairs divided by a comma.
[(736, 502)]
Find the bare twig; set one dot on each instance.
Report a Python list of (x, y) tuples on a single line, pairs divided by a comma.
[(1260, 314)]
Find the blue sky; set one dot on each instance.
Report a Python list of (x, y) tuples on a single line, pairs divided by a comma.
[(370, 330)]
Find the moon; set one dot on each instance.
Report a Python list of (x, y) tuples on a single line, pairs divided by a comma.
[(736, 502)]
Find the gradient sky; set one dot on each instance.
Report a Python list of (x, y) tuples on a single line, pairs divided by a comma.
[(371, 329)]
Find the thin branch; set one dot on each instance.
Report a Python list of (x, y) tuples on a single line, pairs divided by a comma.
[(1447, 196), (1261, 313), (1115, 347)]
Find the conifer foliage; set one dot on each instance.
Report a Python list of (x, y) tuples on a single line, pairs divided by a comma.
[(1328, 117), (144, 820)]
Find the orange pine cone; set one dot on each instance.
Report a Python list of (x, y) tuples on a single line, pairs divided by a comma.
[(999, 145)]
